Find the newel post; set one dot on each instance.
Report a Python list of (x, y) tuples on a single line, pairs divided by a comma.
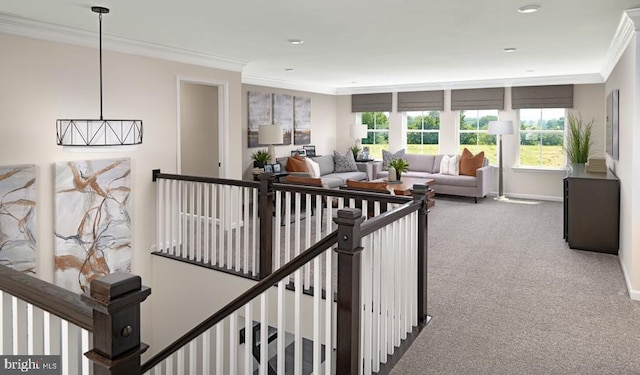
[(349, 305), (421, 193), (115, 299), (265, 210)]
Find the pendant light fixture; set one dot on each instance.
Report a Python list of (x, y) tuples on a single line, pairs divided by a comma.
[(99, 132)]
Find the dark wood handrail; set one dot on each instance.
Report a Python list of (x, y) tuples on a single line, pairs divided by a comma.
[(244, 298), (48, 297), (211, 180), (384, 219)]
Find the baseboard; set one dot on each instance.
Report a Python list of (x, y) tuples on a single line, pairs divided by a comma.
[(633, 294), (549, 198)]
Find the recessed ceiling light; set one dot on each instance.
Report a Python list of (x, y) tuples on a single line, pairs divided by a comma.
[(296, 42), (509, 49), (532, 8), (289, 70)]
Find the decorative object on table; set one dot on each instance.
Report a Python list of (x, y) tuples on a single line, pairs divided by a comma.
[(283, 115), (260, 158), (270, 135), (400, 166), (358, 131), (92, 220), (300, 152), (259, 114), (276, 168), (79, 132), (500, 128), (596, 165), (388, 156), (18, 200), (344, 163), (579, 141), (364, 155), (355, 150), (301, 120), (268, 168), (310, 150), (469, 163)]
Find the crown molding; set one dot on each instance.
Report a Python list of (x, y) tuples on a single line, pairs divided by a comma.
[(629, 24), (24, 27), (288, 85)]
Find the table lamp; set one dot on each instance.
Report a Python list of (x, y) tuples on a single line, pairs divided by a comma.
[(500, 128), (270, 135), (358, 132)]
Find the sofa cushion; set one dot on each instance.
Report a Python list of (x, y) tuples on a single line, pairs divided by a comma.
[(326, 164), (419, 162), (469, 162), (296, 164), (344, 176), (344, 163), (444, 179), (436, 163), (450, 165), (332, 182), (387, 157)]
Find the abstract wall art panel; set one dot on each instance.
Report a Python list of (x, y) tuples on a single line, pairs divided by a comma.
[(18, 217), (259, 114), (92, 223), (283, 115), (302, 121)]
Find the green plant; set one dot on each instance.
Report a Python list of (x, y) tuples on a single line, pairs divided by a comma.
[(355, 150), (261, 156), (400, 165), (579, 141)]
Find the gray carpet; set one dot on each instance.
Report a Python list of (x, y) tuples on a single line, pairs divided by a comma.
[(508, 296)]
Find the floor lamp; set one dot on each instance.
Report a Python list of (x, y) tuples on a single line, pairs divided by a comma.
[(500, 128), (270, 135)]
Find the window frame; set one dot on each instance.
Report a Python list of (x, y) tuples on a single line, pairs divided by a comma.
[(422, 131), (520, 133), (478, 131)]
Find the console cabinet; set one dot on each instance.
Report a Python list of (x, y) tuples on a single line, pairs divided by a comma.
[(592, 211)]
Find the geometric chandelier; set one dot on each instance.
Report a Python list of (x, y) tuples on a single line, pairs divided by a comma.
[(77, 132)]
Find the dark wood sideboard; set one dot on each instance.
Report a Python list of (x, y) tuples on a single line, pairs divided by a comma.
[(592, 211)]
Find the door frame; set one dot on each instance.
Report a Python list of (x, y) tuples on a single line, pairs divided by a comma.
[(223, 121)]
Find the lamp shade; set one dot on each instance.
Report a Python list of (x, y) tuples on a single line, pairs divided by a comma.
[(270, 134), (359, 131), (500, 127)]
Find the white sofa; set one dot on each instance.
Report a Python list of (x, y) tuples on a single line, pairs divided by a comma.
[(428, 166)]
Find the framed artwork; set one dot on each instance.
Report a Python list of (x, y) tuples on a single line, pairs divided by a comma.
[(268, 168), (283, 115), (259, 114), (92, 224), (277, 168), (18, 217), (302, 120), (310, 150)]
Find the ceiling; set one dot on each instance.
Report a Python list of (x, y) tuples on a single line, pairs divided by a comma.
[(361, 45)]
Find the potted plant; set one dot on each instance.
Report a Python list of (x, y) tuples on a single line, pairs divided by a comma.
[(260, 158), (579, 140), (400, 165), (355, 150)]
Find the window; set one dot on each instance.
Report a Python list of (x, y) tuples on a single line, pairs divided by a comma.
[(542, 137), (423, 132), (378, 133), (473, 132)]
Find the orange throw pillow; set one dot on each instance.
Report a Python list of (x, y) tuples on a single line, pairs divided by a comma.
[(296, 164), (469, 162)]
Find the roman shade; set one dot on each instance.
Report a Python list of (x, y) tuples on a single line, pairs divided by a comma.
[(421, 101), (557, 96), (371, 102), (490, 98)]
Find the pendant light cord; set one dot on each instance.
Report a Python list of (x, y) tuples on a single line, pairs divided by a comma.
[(100, 18)]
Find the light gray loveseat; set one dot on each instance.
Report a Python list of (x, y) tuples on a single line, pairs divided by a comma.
[(328, 175), (428, 166)]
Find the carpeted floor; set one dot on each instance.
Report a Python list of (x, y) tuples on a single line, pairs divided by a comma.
[(508, 296)]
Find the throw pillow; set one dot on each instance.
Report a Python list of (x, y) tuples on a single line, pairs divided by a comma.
[(449, 165), (296, 164), (344, 163), (313, 168), (469, 162), (387, 157)]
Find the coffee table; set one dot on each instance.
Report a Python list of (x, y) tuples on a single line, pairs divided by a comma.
[(406, 185)]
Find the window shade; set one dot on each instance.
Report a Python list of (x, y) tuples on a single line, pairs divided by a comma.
[(421, 101), (371, 102), (491, 98), (558, 96)]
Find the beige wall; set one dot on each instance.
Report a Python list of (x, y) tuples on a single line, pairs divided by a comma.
[(199, 129), (624, 77), (518, 182), (323, 124), (43, 81)]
